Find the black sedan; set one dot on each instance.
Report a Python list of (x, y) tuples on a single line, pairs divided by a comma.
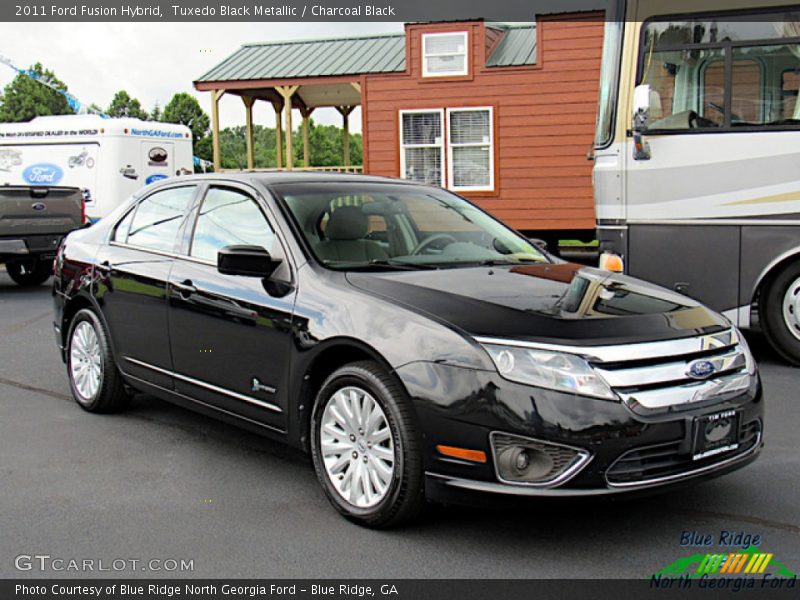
[(414, 345)]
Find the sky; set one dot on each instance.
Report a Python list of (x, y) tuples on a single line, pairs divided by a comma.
[(152, 61)]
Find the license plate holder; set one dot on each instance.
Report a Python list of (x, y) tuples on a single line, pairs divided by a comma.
[(715, 434)]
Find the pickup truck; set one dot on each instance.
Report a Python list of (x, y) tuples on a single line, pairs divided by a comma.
[(33, 220)]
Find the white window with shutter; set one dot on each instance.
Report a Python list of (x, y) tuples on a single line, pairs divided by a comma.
[(445, 54), (422, 146), (470, 149)]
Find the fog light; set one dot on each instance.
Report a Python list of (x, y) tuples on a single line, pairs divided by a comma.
[(533, 462), (523, 460)]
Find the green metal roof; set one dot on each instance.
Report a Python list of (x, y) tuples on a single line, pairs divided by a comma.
[(313, 58), (383, 53), (517, 46)]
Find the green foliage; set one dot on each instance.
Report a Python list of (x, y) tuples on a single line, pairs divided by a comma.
[(325, 146), (185, 109), (156, 114), (324, 141), (124, 106), (25, 98)]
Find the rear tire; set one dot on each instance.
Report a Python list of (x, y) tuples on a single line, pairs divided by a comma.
[(780, 313), (94, 379), (365, 447), (30, 271)]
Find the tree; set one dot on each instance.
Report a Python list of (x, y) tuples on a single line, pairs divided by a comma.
[(326, 147), (185, 109), (25, 98), (124, 106), (155, 114)]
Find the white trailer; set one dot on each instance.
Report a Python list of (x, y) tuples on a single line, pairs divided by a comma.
[(109, 159)]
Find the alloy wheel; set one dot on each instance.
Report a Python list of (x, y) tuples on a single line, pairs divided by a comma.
[(357, 447), (86, 361)]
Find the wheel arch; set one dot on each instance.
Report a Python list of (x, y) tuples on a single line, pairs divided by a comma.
[(74, 305), (327, 358), (772, 269)]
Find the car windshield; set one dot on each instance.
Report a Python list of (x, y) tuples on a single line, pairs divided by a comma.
[(353, 225)]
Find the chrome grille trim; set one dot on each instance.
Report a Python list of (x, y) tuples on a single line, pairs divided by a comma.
[(732, 359), (696, 391), (630, 352)]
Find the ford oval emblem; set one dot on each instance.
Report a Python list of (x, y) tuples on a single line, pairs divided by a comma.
[(43, 174), (39, 206), (701, 369), (154, 177)]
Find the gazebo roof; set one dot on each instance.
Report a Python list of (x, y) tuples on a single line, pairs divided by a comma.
[(335, 57)]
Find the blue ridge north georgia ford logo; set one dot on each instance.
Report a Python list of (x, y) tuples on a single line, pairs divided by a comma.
[(701, 369)]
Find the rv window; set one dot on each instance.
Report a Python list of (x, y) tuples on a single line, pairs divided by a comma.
[(731, 73)]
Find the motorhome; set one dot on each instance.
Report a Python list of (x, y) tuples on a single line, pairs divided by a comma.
[(696, 176), (108, 159)]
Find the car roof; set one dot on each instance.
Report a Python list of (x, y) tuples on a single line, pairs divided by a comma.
[(279, 177)]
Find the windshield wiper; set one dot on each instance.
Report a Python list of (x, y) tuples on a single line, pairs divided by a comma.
[(380, 263)]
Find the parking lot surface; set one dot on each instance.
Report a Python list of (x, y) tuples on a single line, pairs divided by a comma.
[(160, 482)]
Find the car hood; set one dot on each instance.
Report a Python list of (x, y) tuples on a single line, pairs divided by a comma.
[(548, 303)]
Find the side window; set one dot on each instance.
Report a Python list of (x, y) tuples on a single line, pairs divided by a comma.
[(123, 227), (229, 217), (157, 219)]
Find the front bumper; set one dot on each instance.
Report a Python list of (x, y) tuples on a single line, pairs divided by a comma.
[(462, 407)]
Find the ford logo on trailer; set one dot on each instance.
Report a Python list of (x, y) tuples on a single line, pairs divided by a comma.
[(43, 174), (39, 206), (701, 369), (153, 178)]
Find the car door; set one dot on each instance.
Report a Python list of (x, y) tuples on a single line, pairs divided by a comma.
[(131, 283), (231, 335)]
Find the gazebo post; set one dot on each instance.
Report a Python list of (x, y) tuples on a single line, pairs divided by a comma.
[(248, 110), (278, 135), (345, 112), (306, 113), (215, 96), (287, 91)]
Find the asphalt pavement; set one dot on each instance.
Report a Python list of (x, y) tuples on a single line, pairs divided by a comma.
[(160, 482)]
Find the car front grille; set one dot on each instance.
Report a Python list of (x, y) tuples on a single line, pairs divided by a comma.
[(658, 375), (643, 465)]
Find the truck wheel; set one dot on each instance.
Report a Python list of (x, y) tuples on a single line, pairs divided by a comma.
[(29, 272), (780, 313), (93, 376), (365, 447)]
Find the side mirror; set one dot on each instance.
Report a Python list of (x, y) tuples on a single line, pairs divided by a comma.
[(247, 261), (539, 243), (641, 107), (641, 119)]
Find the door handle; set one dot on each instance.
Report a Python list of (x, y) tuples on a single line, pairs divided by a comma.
[(185, 288)]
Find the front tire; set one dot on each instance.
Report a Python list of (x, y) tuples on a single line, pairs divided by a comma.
[(780, 313), (93, 376), (365, 447), (29, 272)]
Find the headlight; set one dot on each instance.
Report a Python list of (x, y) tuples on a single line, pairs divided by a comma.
[(551, 370)]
